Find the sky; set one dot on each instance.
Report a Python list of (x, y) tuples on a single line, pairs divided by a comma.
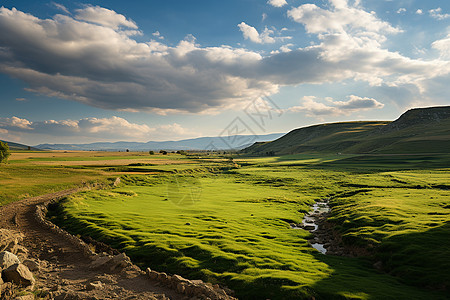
[(89, 71)]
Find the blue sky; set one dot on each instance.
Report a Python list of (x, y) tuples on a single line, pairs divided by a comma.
[(75, 72)]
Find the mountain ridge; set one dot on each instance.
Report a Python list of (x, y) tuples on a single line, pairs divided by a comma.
[(201, 143)]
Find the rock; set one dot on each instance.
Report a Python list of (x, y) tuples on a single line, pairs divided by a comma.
[(19, 274), (119, 262), (96, 285), (100, 261), (153, 275), (178, 278), (8, 259), (117, 181), (309, 227), (8, 239), (181, 288), (31, 264)]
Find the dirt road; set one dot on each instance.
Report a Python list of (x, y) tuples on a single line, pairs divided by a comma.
[(64, 270)]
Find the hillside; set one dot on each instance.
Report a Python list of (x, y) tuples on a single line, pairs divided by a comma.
[(420, 130), (17, 146)]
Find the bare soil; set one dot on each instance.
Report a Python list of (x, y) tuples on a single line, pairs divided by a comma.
[(64, 270)]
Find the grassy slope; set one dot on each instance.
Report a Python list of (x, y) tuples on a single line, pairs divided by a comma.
[(23, 176), (238, 232), (416, 131), (17, 146)]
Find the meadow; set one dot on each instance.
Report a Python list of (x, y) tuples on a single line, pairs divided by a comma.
[(227, 221)]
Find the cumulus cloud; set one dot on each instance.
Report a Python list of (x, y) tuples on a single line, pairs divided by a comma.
[(277, 3), (443, 46), (265, 37), (437, 14), (401, 10), (158, 35), (100, 128), (104, 16), (314, 108), (93, 59), (419, 11)]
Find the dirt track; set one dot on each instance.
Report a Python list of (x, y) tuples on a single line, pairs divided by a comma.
[(64, 269)]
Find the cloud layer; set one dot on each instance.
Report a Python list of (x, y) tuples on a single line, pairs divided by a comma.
[(113, 128), (91, 57), (315, 108)]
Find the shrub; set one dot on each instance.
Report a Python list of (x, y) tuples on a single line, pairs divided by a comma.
[(151, 152), (4, 152)]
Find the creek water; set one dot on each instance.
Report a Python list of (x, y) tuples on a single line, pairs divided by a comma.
[(309, 222)]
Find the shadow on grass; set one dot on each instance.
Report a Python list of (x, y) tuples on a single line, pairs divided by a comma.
[(415, 267), (421, 259), (379, 163)]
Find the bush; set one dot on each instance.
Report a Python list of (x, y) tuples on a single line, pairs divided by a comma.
[(4, 152), (163, 152), (182, 152), (151, 152)]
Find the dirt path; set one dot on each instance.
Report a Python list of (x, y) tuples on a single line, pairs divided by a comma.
[(64, 270)]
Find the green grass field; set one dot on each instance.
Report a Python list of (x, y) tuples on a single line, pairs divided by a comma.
[(230, 224)]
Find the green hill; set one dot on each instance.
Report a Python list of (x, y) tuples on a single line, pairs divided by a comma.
[(17, 146), (419, 130)]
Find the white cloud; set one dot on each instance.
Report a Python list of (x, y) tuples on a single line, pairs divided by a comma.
[(15, 122), (443, 46), (277, 3), (419, 11), (314, 108), (104, 16), (401, 10), (158, 35), (97, 63), (250, 33), (99, 128), (21, 99), (60, 7), (342, 19), (265, 37), (437, 14)]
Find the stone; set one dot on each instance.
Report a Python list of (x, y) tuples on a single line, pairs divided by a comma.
[(31, 264), (19, 274), (162, 277), (178, 278), (119, 262), (181, 288), (309, 227), (8, 259), (96, 285), (153, 275), (100, 261)]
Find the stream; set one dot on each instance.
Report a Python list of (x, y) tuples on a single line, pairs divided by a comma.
[(319, 209)]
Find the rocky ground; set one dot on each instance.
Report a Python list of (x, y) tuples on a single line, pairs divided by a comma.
[(40, 261)]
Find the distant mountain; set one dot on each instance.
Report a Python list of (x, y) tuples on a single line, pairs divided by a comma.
[(203, 143), (419, 130), (17, 146)]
